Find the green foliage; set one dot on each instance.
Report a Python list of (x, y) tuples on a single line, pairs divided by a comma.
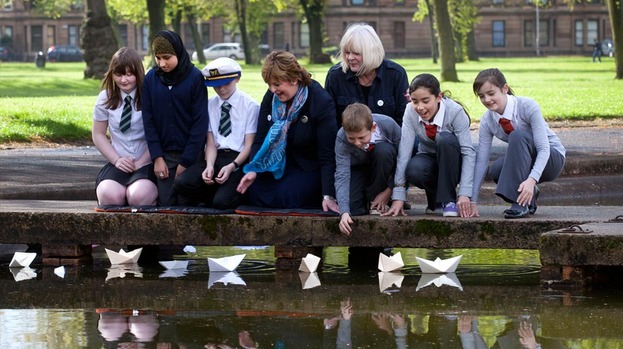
[(54, 8)]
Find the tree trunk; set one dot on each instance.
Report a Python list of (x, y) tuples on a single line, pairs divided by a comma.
[(472, 55), (314, 13), (240, 7), (433, 37), (97, 39), (615, 9), (155, 10), (446, 41)]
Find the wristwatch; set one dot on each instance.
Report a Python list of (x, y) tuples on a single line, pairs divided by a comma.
[(328, 197), (236, 166)]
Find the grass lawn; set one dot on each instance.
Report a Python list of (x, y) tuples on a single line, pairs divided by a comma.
[(55, 103)]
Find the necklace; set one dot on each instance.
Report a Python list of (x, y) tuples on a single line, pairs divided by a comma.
[(366, 80)]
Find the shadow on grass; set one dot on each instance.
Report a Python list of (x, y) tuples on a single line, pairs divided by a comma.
[(51, 131)]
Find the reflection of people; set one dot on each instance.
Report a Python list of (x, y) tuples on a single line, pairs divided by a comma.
[(127, 178), (470, 334), (232, 128), (534, 153), (365, 76), (174, 112), (118, 330), (521, 334), (597, 50), (365, 155), (293, 156), (393, 325), (445, 155)]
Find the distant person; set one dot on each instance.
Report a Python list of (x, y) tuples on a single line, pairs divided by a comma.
[(445, 155), (293, 154), (365, 76), (534, 153), (597, 50), (233, 124), (127, 178), (365, 155), (174, 113)]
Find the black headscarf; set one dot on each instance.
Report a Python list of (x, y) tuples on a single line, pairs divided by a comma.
[(183, 60)]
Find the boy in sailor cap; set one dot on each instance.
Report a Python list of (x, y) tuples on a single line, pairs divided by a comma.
[(233, 123)]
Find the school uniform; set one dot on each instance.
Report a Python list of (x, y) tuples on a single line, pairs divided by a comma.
[(440, 164), (534, 150), (130, 143), (190, 187), (310, 155), (361, 174)]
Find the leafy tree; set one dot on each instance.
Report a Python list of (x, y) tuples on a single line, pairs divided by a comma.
[(446, 41), (97, 39), (419, 15), (463, 15), (314, 13)]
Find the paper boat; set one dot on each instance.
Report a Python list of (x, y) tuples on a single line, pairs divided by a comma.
[(225, 263), (21, 274), (22, 259), (439, 265), (388, 280), (390, 263), (173, 273), (225, 278), (309, 263), (120, 271), (309, 280), (123, 257), (174, 264), (190, 249), (60, 271), (449, 279)]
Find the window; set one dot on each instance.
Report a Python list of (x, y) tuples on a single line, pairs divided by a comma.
[(357, 2), (498, 38), (50, 38), (579, 33), (8, 31), (592, 30), (497, 2), (304, 35), (528, 33), (399, 34), (544, 33), (204, 29), (278, 34), (74, 35), (7, 5), (123, 33), (145, 37), (36, 38)]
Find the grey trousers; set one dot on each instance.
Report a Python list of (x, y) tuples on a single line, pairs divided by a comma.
[(515, 166)]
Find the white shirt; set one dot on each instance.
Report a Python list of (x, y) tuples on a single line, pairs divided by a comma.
[(243, 115), (132, 142)]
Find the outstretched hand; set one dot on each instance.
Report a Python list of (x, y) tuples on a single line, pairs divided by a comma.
[(246, 182)]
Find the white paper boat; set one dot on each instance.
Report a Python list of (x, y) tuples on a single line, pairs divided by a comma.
[(190, 249), (225, 278), (439, 265), (309, 263), (173, 273), (22, 259), (388, 280), (449, 279), (309, 280), (123, 257), (60, 271), (21, 274), (174, 264), (120, 271), (390, 263), (226, 263)]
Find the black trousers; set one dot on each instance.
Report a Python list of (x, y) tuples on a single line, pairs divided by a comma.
[(368, 180)]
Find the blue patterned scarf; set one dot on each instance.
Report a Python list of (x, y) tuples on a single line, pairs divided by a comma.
[(272, 155)]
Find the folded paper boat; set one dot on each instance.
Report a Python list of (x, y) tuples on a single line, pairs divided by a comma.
[(309, 280), (60, 271), (174, 264), (449, 279), (309, 263), (390, 263), (123, 257), (439, 265), (21, 274), (387, 280), (173, 273), (226, 263), (22, 259), (225, 278)]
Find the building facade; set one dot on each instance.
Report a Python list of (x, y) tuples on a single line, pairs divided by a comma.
[(505, 28)]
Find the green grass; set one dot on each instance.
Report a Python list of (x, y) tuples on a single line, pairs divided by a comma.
[(55, 104)]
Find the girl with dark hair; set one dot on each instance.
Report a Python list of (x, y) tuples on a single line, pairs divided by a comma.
[(445, 155), (534, 152)]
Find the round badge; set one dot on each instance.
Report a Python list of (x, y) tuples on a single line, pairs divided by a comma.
[(380, 103), (304, 119), (269, 117)]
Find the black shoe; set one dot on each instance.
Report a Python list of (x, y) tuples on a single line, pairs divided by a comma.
[(532, 207), (511, 214)]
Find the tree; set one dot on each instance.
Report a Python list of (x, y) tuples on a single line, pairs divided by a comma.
[(97, 39), (155, 9), (463, 16), (446, 41), (615, 10), (419, 15), (314, 13)]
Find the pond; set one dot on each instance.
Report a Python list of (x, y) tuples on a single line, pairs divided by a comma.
[(494, 300)]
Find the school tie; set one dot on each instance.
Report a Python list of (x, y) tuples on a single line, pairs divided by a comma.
[(506, 125), (126, 115), (369, 147), (224, 127), (431, 131)]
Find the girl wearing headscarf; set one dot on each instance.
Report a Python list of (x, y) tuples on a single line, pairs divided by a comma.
[(175, 112)]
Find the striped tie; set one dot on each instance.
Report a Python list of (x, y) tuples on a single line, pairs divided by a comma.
[(224, 127), (126, 115)]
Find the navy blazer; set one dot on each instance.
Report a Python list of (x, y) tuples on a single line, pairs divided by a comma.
[(311, 138)]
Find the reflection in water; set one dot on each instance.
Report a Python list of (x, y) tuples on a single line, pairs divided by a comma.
[(493, 306)]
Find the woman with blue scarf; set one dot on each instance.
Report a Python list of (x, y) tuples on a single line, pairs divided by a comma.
[(293, 156)]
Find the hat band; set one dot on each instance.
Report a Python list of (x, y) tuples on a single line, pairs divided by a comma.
[(234, 75)]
